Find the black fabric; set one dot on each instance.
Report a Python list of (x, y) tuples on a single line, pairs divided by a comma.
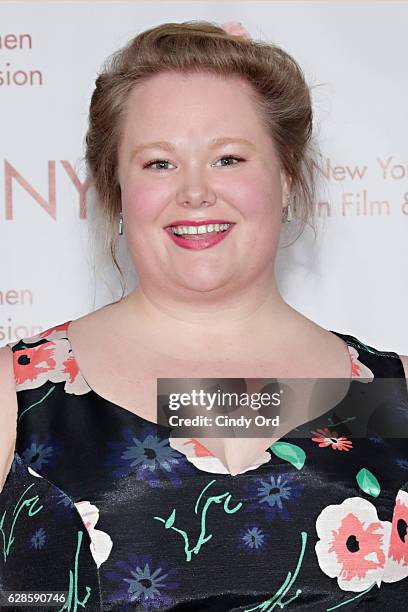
[(184, 539)]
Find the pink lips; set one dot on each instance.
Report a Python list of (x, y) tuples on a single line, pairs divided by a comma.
[(200, 243)]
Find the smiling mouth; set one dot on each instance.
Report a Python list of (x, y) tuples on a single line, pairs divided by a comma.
[(192, 239), (198, 236), (199, 232)]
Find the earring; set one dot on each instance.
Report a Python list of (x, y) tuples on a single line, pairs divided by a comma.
[(120, 224), (288, 210)]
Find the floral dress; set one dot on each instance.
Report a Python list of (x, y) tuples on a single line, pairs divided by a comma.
[(104, 507)]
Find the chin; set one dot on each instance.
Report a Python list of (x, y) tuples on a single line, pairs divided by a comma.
[(203, 285)]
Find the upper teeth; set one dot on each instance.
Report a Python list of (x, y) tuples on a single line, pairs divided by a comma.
[(200, 229)]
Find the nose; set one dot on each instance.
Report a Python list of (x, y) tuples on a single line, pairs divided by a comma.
[(195, 193)]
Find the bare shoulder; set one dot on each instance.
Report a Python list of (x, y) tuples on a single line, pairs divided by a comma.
[(404, 359), (8, 412), (102, 318), (98, 331)]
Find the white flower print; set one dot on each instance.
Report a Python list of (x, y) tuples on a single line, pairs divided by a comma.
[(101, 542), (352, 544), (204, 460)]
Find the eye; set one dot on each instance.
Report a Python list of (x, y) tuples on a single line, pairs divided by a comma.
[(157, 161), (166, 161), (230, 157)]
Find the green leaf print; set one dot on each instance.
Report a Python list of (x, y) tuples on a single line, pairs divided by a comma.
[(72, 603), (368, 482), (170, 520), (204, 537), (29, 505), (277, 599), (289, 452)]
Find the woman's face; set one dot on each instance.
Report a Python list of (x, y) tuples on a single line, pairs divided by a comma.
[(189, 179)]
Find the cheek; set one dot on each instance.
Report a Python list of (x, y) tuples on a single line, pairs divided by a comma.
[(141, 204), (257, 188), (256, 199)]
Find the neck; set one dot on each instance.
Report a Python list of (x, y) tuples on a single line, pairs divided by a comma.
[(229, 317)]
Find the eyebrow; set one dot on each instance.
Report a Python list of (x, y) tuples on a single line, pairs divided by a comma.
[(168, 146)]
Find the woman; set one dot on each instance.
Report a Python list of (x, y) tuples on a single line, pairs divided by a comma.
[(169, 109)]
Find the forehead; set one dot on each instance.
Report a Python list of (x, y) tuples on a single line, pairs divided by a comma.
[(191, 112), (194, 96)]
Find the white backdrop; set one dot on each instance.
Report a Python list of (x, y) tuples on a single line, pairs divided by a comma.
[(352, 279)]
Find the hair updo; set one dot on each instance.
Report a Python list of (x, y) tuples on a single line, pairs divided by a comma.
[(280, 94)]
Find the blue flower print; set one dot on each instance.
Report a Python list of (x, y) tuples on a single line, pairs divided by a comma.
[(376, 439), (147, 455), (252, 539), (273, 495), (18, 468), (142, 581), (402, 462), (38, 539), (60, 504), (65, 500), (39, 454)]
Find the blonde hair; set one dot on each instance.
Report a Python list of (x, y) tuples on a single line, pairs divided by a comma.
[(280, 93)]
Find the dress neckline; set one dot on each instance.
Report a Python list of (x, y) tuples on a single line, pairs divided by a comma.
[(341, 336)]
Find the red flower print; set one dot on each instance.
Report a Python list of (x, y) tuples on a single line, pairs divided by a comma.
[(62, 327), (29, 363), (52, 360), (204, 460), (70, 367), (199, 449), (352, 543), (355, 369), (326, 437), (359, 371), (364, 539), (397, 562)]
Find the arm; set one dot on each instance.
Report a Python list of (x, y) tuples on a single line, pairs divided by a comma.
[(8, 412)]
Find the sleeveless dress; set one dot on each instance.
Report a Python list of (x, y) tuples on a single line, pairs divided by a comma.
[(102, 506)]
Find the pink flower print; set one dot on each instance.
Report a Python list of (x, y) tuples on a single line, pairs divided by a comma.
[(203, 459), (235, 28), (32, 365), (74, 381), (51, 334), (199, 449), (101, 542), (326, 437), (198, 455), (49, 361), (397, 562), (352, 543), (359, 371)]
